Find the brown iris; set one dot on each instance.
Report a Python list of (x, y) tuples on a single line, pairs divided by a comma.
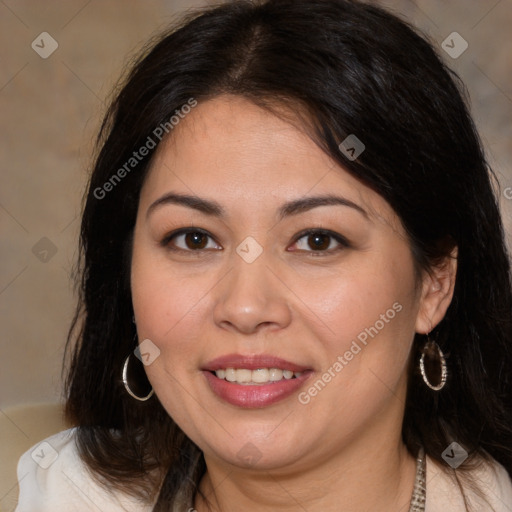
[(319, 242), (195, 240)]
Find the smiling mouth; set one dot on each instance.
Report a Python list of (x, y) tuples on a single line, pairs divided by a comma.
[(259, 376), (255, 388), (254, 381)]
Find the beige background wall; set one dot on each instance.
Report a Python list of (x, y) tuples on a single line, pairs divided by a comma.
[(50, 109)]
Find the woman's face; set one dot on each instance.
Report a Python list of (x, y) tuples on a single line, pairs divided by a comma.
[(257, 256)]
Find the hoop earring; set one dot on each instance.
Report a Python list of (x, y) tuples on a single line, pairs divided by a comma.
[(127, 386), (429, 345)]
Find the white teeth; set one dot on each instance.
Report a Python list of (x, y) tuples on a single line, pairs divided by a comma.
[(243, 376), (230, 375), (259, 376), (276, 374)]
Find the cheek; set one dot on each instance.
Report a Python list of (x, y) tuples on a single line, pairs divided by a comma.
[(168, 306), (359, 296), (370, 318), (370, 313), (162, 295), (161, 304)]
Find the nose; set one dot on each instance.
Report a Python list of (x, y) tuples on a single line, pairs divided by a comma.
[(251, 298)]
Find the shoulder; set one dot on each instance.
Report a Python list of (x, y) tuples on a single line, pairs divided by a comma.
[(443, 492), (52, 476)]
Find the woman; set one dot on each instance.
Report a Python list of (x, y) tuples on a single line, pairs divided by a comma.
[(295, 289)]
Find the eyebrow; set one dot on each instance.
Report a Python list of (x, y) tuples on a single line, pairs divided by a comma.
[(205, 206), (308, 203), (295, 207)]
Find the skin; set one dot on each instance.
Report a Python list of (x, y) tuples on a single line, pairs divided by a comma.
[(344, 446)]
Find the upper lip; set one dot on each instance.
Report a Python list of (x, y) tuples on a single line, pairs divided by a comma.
[(252, 362)]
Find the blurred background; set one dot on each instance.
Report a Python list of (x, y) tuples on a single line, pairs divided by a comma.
[(59, 62)]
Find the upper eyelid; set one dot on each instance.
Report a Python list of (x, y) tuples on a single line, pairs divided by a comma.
[(183, 231), (323, 231), (306, 232)]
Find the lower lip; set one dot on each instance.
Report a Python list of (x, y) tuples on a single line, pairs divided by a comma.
[(255, 396)]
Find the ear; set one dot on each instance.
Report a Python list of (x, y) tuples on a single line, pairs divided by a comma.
[(438, 284)]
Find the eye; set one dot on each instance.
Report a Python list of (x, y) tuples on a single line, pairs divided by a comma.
[(319, 241), (190, 239)]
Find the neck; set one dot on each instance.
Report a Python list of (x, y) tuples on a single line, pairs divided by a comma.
[(366, 476)]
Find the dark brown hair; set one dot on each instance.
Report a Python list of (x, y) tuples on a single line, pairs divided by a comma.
[(355, 69)]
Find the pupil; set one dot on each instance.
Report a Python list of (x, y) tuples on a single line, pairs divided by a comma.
[(195, 240), (317, 242)]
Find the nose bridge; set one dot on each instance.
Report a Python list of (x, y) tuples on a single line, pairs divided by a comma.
[(252, 276), (251, 296), (250, 262), (250, 283)]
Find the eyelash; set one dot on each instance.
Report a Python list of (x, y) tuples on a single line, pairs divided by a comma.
[(342, 241)]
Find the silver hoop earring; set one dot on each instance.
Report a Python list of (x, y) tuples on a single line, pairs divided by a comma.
[(429, 345), (127, 386)]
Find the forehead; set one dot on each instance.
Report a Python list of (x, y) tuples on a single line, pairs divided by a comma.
[(231, 149)]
